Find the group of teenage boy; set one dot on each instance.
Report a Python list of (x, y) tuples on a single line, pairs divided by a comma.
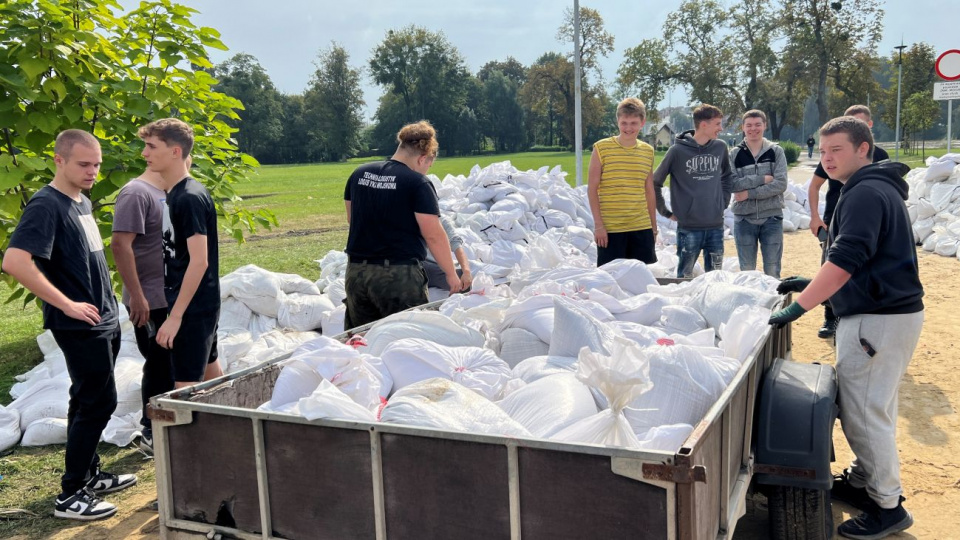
[(868, 279), (165, 247)]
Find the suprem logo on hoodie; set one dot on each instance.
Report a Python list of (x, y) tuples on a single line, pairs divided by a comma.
[(703, 167)]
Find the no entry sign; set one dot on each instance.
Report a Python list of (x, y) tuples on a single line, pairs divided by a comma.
[(948, 65)]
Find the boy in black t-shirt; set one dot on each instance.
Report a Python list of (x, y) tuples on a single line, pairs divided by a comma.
[(191, 256), (56, 252), (860, 112)]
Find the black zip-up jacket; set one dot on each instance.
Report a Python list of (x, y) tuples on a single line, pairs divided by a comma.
[(872, 239)]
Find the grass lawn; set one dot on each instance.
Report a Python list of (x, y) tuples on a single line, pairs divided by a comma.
[(308, 201)]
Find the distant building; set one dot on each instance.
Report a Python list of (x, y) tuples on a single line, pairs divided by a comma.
[(664, 135)]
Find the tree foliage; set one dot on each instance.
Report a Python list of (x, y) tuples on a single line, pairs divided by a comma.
[(595, 41), (918, 78), (80, 65), (335, 102), (260, 123)]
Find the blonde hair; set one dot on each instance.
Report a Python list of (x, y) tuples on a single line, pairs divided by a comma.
[(632, 106), (419, 137)]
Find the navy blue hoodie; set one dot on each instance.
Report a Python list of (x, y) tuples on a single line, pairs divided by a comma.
[(872, 239)]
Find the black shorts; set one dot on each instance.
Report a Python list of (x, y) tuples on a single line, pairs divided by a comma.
[(639, 245), (195, 346)]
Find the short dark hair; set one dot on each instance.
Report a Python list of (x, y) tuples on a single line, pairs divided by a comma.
[(632, 106), (754, 113), (856, 129), (172, 131), (69, 138), (858, 109), (705, 112)]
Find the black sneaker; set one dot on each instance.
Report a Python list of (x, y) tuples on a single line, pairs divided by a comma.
[(104, 482), (83, 505), (877, 523), (844, 492), (828, 330), (146, 444)]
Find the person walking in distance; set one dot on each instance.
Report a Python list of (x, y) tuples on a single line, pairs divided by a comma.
[(620, 190), (700, 185), (872, 280), (392, 211), (760, 180), (819, 226), (56, 252), (811, 142)]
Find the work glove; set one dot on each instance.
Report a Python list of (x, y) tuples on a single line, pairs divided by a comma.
[(786, 315), (792, 284)]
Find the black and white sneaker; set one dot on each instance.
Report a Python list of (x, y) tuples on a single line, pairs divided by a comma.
[(104, 482), (83, 505), (146, 444)]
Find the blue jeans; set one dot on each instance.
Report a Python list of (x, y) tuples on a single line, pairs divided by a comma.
[(768, 235), (691, 243)]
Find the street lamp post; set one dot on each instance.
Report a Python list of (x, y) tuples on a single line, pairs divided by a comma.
[(578, 121), (900, 49)]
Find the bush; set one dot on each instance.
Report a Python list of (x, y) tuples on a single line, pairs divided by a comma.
[(791, 151), (544, 148)]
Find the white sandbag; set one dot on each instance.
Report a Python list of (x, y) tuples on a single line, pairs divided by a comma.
[(538, 367), (645, 309), (122, 430), (517, 344), (296, 284), (633, 276), (46, 393), (686, 383), (271, 345), (426, 325), (586, 279), (644, 336), (233, 344), (9, 427), (412, 360), (46, 408), (353, 373), (575, 327), (331, 323), (946, 246), (922, 229), (463, 302), (234, 314), (550, 404), (621, 376), (303, 312), (719, 300), (742, 333), (681, 320), (44, 432), (328, 401), (259, 289), (443, 404), (925, 209), (128, 375), (665, 438), (931, 242), (297, 380), (47, 343), (261, 324), (939, 170)]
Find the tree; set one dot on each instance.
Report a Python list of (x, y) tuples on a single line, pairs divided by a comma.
[(335, 101), (427, 75), (647, 73), (918, 77), (295, 145), (827, 31), (79, 65), (919, 114), (595, 41), (502, 115), (511, 68), (260, 123), (549, 92)]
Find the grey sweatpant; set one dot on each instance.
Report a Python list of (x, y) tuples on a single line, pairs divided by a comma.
[(868, 396)]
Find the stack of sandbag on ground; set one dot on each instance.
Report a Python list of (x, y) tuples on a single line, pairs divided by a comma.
[(41, 396), (934, 205)]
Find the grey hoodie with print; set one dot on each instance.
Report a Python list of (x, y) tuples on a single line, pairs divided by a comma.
[(700, 182), (764, 200)]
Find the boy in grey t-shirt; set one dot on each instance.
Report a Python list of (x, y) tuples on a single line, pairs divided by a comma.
[(137, 246)]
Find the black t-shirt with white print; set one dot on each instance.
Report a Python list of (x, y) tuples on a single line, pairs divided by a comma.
[(384, 196), (190, 211), (64, 240)]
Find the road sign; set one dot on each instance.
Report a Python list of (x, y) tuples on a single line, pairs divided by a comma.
[(945, 91), (948, 65)]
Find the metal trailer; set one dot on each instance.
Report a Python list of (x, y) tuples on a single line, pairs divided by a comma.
[(224, 468)]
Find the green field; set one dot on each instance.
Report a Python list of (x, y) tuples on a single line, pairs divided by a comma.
[(308, 201)]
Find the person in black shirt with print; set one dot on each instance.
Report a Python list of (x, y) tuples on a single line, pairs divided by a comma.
[(191, 255), (861, 112), (56, 252), (392, 211)]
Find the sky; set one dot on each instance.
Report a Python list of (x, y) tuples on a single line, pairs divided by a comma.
[(286, 35)]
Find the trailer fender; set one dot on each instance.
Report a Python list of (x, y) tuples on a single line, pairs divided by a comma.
[(798, 408)]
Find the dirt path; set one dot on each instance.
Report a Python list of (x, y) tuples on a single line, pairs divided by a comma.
[(928, 426)]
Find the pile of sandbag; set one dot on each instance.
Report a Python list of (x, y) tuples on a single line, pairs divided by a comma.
[(588, 355), (934, 205)]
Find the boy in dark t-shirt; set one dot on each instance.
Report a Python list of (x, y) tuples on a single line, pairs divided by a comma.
[(191, 259), (56, 252)]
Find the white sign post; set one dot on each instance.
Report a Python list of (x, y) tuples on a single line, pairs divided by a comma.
[(948, 68)]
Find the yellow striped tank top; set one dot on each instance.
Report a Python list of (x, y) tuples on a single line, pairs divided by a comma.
[(622, 190)]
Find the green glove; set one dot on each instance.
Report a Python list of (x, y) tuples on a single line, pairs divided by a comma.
[(792, 284), (786, 315)]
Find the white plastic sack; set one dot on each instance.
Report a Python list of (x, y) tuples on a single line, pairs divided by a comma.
[(360, 376), (666, 438), (332, 321), (413, 360), (633, 276), (517, 344), (303, 312), (234, 314), (297, 380), (538, 367), (328, 401), (443, 404), (122, 430), (575, 327), (681, 320), (741, 334), (719, 300), (550, 404), (44, 432), (259, 289), (9, 427), (427, 325), (128, 374)]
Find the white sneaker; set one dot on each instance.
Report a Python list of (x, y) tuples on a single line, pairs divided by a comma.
[(84, 506), (105, 482)]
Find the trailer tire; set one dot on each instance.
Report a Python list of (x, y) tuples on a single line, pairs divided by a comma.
[(799, 514)]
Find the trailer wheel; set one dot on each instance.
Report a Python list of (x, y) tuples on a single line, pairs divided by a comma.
[(799, 514)]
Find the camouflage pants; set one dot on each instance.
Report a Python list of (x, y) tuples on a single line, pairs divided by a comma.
[(375, 291)]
